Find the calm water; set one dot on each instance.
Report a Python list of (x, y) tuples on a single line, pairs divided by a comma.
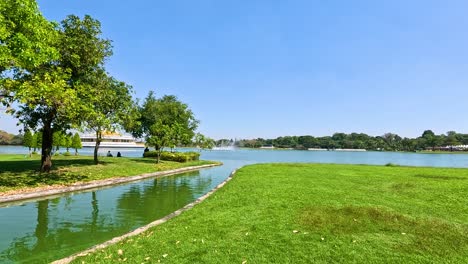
[(48, 229)]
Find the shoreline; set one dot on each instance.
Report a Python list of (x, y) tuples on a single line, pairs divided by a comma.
[(21, 196), (144, 228)]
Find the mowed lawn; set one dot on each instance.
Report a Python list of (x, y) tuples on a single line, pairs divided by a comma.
[(22, 172), (315, 213)]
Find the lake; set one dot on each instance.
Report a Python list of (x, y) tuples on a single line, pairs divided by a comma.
[(46, 229)]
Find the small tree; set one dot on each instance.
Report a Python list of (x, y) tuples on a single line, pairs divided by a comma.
[(34, 142), (113, 107), (199, 140), (37, 140), (76, 143), (57, 140), (160, 136), (164, 122), (209, 143), (67, 141), (203, 142), (28, 140)]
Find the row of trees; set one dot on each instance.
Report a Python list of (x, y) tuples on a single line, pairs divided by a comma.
[(53, 79), (388, 141), (59, 139)]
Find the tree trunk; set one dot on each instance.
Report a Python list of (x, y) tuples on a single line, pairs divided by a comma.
[(96, 147), (158, 153), (46, 153), (76, 152)]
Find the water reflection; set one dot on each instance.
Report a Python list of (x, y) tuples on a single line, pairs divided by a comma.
[(145, 203), (66, 225)]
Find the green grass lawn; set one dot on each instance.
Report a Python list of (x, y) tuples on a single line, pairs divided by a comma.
[(20, 171), (314, 213)]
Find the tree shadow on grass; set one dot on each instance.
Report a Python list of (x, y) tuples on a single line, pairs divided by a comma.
[(25, 173), (24, 166)]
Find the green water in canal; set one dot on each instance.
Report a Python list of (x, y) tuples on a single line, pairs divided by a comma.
[(46, 230)]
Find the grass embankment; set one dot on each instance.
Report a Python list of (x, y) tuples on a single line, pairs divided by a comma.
[(311, 213), (20, 172)]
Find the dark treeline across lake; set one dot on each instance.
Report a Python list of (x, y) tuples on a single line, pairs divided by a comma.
[(388, 141)]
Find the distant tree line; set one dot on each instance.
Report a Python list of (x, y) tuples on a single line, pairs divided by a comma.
[(387, 142)]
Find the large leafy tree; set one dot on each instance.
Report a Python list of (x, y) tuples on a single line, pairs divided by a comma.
[(112, 107), (165, 122), (56, 94)]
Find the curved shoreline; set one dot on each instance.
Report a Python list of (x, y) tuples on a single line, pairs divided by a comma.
[(80, 186), (142, 229)]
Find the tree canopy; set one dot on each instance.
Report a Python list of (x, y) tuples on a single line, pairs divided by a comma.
[(113, 107), (165, 122), (46, 68)]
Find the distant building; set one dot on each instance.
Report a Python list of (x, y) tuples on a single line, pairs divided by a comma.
[(110, 140)]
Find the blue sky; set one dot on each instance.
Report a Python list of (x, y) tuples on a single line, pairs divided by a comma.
[(256, 68)]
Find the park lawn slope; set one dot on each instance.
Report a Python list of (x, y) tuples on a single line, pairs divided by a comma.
[(315, 213), (18, 172)]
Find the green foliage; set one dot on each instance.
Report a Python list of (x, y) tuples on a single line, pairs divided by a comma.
[(173, 156), (28, 139), (112, 107), (76, 143), (37, 139), (67, 141), (55, 94), (165, 122), (26, 36), (57, 140), (203, 142)]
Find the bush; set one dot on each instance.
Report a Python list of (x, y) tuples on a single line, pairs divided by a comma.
[(174, 156), (67, 153)]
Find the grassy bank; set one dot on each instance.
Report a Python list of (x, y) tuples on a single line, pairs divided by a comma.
[(311, 213), (19, 172)]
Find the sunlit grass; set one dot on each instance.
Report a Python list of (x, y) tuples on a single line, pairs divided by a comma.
[(20, 171), (315, 213)]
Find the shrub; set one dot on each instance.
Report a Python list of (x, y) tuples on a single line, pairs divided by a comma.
[(67, 153), (174, 156)]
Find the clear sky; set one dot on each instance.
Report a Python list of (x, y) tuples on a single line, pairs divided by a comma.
[(255, 68)]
